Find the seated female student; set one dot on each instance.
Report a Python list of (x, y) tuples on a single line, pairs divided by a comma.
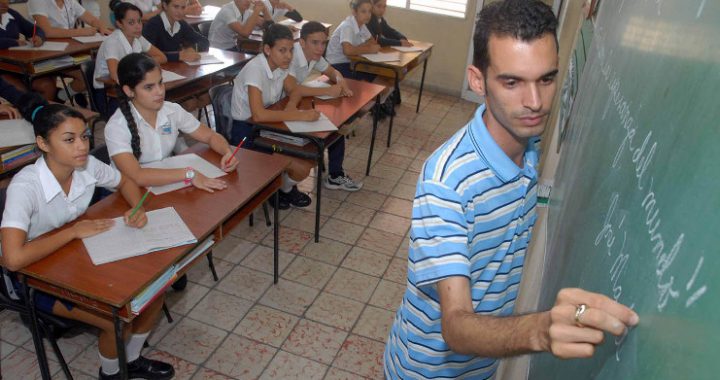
[(308, 56), (170, 33), (260, 84), (146, 128), (381, 31), (123, 41), (55, 191), (149, 8), (16, 31), (352, 37), (278, 9), (235, 19)]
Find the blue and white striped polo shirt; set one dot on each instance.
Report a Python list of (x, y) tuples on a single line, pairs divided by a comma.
[(472, 216)]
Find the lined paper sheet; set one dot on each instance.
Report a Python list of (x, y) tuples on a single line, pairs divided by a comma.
[(48, 45), (183, 161), (205, 59), (16, 132), (320, 125), (383, 57), (164, 229)]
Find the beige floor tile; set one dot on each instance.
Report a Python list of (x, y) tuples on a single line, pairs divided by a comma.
[(261, 259), (253, 233), (266, 325), (351, 284), (388, 295), (338, 374), (241, 358), (390, 223), (291, 240), (5, 349), (289, 296), (355, 214), (183, 368), (208, 374), (162, 327), (387, 172), (70, 346), (245, 283), (314, 341), (395, 160), (379, 185), (366, 261), (343, 231), (374, 323), (86, 362), (303, 220), (361, 356), (404, 191), (328, 207), (233, 249), (397, 271), (327, 250), (220, 310), (12, 329), (23, 364), (335, 311), (192, 340), (309, 272), (288, 366), (416, 165), (367, 199), (398, 207), (181, 302), (200, 273), (404, 150), (380, 241)]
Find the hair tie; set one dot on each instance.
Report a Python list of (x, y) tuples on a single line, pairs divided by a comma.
[(34, 112)]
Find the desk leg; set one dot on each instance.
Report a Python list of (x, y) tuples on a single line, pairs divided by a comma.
[(422, 84), (120, 344), (321, 151), (392, 116), (35, 331), (374, 132), (276, 236)]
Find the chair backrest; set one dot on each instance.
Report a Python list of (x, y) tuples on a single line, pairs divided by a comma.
[(204, 28), (221, 98), (101, 153)]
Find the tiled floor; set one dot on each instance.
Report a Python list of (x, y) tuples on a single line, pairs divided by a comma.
[(329, 315)]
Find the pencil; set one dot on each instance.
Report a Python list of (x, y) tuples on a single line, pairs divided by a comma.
[(134, 210), (236, 150)]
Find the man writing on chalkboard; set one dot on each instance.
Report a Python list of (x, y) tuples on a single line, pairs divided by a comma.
[(473, 213)]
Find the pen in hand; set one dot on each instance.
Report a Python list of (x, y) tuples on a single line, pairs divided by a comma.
[(134, 210)]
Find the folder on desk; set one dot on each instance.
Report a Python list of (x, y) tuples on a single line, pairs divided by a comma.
[(382, 57), (165, 229), (47, 45), (183, 161)]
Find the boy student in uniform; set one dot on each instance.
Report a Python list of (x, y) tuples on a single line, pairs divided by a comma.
[(169, 32), (237, 18), (352, 37), (15, 30), (278, 9), (472, 219), (308, 56), (261, 83), (123, 41), (55, 191)]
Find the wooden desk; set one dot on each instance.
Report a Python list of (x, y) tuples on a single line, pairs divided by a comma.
[(24, 61), (397, 70), (208, 15), (198, 79), (339, 111), (108, 289)]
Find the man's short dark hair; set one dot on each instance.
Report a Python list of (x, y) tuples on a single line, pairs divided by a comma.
[(312, 27), (525, 20)]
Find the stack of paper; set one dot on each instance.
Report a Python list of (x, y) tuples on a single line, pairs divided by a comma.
[(48, 46), (169, 76), (407, 49), (320, 125), (137, 305), (165, 229), (182, 161), (89, 39), (51, 64), (382, 57), (205, 59), (16, 132)]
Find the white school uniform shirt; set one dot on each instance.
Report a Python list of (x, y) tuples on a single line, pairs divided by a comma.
[(300, 68), (172, 30), (146, 6), (116, 46), (277, 14), (220, 35), (64, 18), (347, 31), (155, 143), (92, 6), (5, 20), (37, 204), (257, 74)]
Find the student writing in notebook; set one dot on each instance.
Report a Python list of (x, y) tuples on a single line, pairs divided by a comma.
[(169, 32), (352, 37), (260, 84), (381, 30), (278, 9), (123, 41), (146, 129), (308, 56), (235, 19), (54, 192)]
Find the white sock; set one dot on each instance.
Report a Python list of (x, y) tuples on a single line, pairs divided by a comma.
[(109, 366), (287, 183), (135, 345)]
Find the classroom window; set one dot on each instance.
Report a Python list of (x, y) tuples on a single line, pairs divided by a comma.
[(454, 8)]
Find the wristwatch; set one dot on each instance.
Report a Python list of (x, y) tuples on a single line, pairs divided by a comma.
[(189, 175)]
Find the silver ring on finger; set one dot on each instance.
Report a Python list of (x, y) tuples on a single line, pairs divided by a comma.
[(579, 311)]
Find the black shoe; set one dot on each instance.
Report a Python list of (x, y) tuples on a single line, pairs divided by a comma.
[(80, 100), (296, 198), (144, 368), (180, 284), (388, 107), (282, 202)]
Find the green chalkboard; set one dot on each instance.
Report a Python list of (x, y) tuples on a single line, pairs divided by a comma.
[(635, 211)]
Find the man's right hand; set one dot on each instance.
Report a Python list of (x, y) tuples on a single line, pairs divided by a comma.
[(568, 338)]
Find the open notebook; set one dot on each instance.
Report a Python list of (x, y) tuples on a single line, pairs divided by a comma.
[(182, 161), (164, 229)]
